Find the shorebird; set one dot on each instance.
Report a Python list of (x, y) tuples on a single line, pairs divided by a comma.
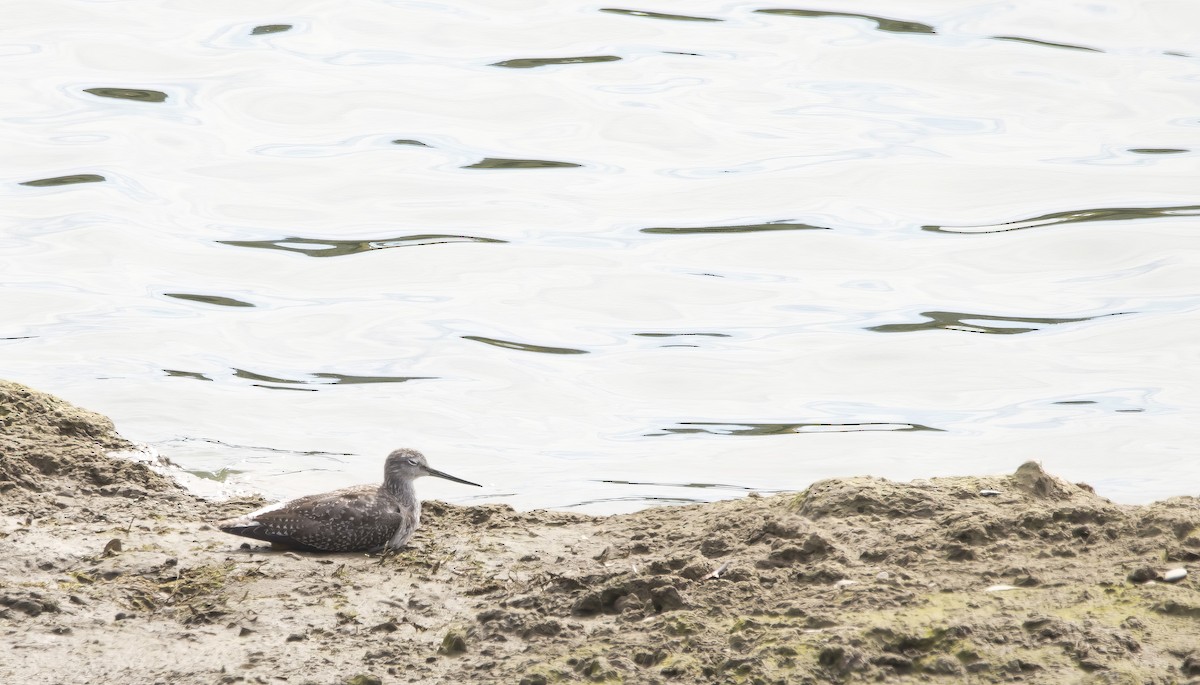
[(370, 518)]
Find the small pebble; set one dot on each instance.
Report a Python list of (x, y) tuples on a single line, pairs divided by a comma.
[(883, 576), (845, 582), (1143, 574), (1000, 588), (989, 493), (1174, 575)]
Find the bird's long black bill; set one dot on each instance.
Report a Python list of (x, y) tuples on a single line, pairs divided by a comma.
[(439, 474)]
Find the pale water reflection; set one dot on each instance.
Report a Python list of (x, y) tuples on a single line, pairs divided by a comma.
[(651, 254)]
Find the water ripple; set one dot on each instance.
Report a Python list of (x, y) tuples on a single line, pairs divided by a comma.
[(657, 15), (699, 486), (128, 94), (340, 248), (1045, 43), (210, 299), (502, 163), (270, 28), (881, 23), (760, 429), (524, 347), (1157, 150), (745, 228), (534, 62), (1075, 216), (965, 322), (321, 378), (65, 180)]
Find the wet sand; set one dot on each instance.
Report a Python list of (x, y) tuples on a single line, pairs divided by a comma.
[(111, 572)]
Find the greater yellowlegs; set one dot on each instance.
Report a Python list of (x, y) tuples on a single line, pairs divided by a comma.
[(369, 518)]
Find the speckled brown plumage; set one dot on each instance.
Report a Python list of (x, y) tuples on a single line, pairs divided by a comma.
[(354, 519)]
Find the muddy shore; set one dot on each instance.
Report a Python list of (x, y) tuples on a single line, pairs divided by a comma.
[(110, 572)]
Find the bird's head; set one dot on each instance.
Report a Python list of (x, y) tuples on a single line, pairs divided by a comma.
[(407, 464)]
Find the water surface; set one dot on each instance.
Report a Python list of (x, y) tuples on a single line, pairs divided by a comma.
[(606, 257)]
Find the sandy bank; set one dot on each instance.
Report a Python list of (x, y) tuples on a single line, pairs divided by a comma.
[(110, 573)]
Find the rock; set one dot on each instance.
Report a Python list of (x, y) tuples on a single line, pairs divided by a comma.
[(813, 548), (842, 660), (587, 605), (27, 607), (1142, 574), (1031, 479), (667, 599), (1175, 575), (1190, 665), (900, 663), (455, 642), (548, 628)]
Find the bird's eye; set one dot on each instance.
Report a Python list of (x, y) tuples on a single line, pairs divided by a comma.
[(411, 462)]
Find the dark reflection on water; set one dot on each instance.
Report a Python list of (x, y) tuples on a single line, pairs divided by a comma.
[(250, 375), (714, 486), (501, 163), (524, 347), (532, 62), (327, 378), (321, 379), (748, 228), (1115, 403), (270, 28), (758, 429), (210, 299), (65, 180), (655, 500), (343, 379), (259, 448), (675, 335), (408, 141), (187, 374), (1045, 43), (1158, 150), (1076, 216), (882, 23), (657, 15), (128, 94), (958, 321), (339, 248)]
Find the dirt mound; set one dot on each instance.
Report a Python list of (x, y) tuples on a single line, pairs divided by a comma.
[(864, 579), (53, 448), (1017, 578)]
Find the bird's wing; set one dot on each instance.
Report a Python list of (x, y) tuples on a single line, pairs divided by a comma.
[(343, 520)]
